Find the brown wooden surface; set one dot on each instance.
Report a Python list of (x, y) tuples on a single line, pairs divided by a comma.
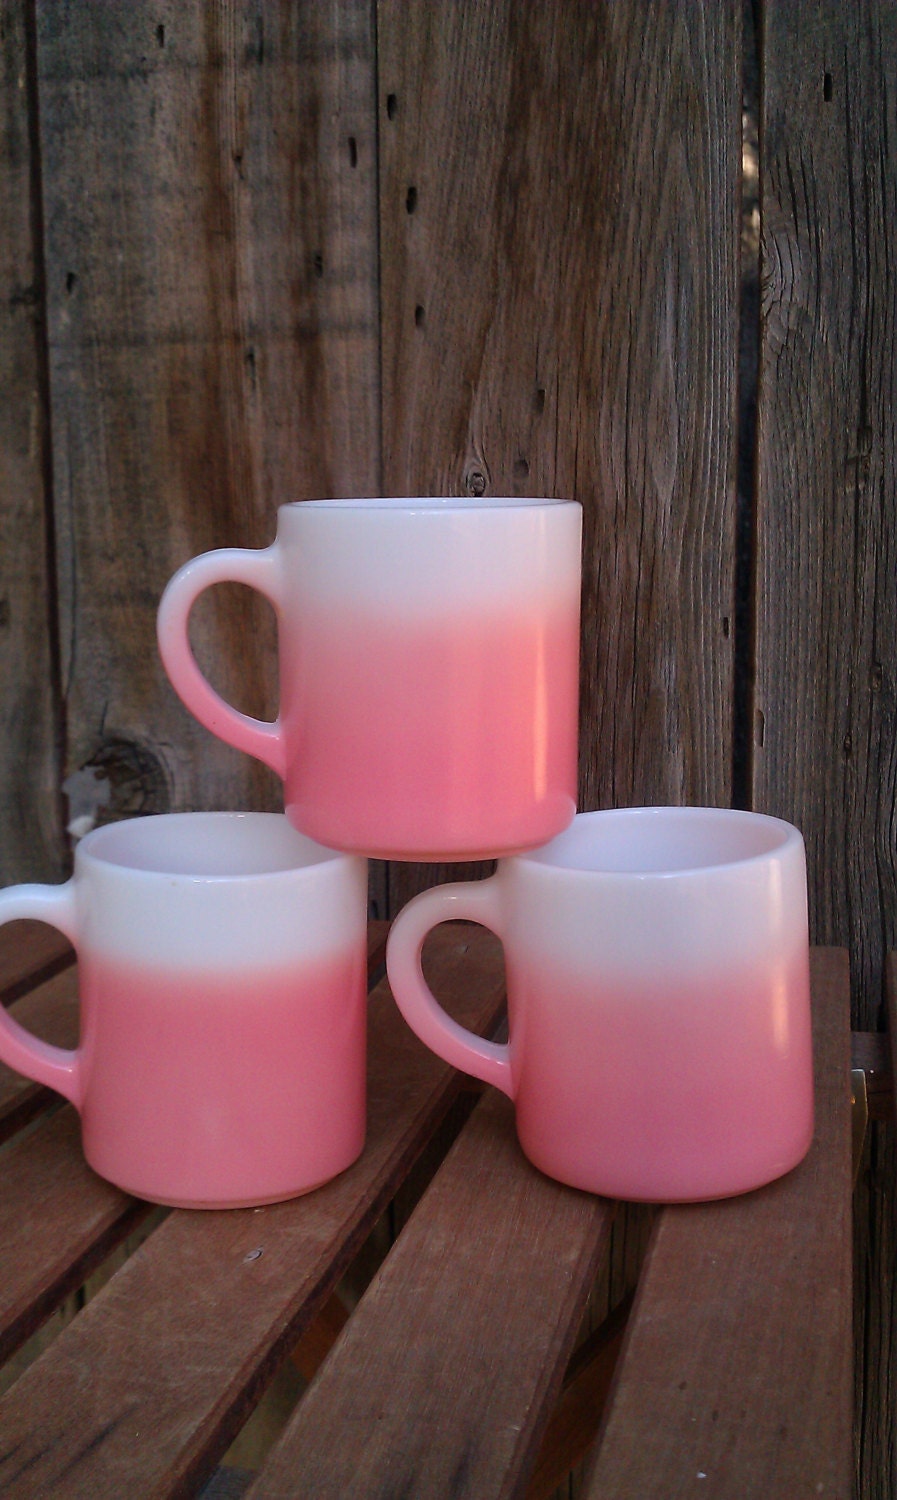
[(891, 1001), (209, 180), (441, 1383), (559, 242), (51, 1011), (31, 812), (825, 747), (58, 1220), (737, 1368), (575, 1420), (183, 1339), (30, 952)]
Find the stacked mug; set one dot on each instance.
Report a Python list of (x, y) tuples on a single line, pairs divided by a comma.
[(657, 958)]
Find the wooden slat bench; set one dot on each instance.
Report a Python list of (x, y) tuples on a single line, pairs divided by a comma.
[(457, 1373)]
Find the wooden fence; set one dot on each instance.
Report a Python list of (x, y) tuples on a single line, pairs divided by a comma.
[(261, 250)]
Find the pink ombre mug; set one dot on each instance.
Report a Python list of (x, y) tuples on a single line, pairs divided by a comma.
[(222, 975), (429, 667), (658, 1000)]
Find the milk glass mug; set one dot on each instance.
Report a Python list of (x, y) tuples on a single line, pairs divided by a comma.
[(222, 974), (429, 665), (658, 1000)]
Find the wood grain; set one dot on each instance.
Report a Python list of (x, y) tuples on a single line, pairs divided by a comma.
[(32, 844), (559, 232), (30, 952), (439, 1386), (209, 181), (891, 988), (737, 1366), (181, 1342), (58, 1221), (825, 752), (51, 1012)]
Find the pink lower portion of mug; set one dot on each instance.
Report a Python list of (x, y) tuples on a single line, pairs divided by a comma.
[(465, 730), (678, 1091), (219, 1090)]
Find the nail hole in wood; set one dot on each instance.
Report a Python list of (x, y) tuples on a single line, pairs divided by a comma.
[(761, 729), (827, 87), (521, 469), (539, 400), (411, 200), (353, 151), (392, 106), (419, 316), (318, 263), (160, 35), (71, 282), (726, 626)]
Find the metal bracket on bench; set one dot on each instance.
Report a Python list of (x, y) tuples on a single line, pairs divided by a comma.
[(859, 1117)]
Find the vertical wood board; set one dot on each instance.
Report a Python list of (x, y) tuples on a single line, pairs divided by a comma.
[(825, 751), (32, 846), (209, 177), (559, 242)]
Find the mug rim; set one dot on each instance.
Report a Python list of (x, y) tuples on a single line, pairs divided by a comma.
[(787, 837), (91, 849), (420, 505)]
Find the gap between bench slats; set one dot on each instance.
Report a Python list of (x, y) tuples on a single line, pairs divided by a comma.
[(444, 1378), (736, 1373), (891, 998), (146, 1388)]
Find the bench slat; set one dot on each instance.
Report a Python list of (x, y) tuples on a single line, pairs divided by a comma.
[(747, 1296), (51, 1011), (438, 1386), (30, 953), (180, 1343), (58, 1221)]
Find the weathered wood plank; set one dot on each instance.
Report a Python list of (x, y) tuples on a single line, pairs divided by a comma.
[(58, 1221), (181, 1342), (51, 1012), (825, 751), (32, 844), (30, 953), (737, 1367), (560, 229), (209, 181), (470, 1381)]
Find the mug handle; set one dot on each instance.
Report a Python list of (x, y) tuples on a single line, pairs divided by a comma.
[(260, 570), (56, 1067), (474, 900)]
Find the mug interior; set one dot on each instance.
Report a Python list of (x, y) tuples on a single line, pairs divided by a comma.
[(663, 840), (205, 845)]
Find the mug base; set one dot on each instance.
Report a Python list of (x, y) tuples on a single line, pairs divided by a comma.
[(215, 1205), (510, 840), (654, 1193)]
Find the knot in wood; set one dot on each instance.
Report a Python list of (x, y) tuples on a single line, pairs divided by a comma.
[(137, 779)]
